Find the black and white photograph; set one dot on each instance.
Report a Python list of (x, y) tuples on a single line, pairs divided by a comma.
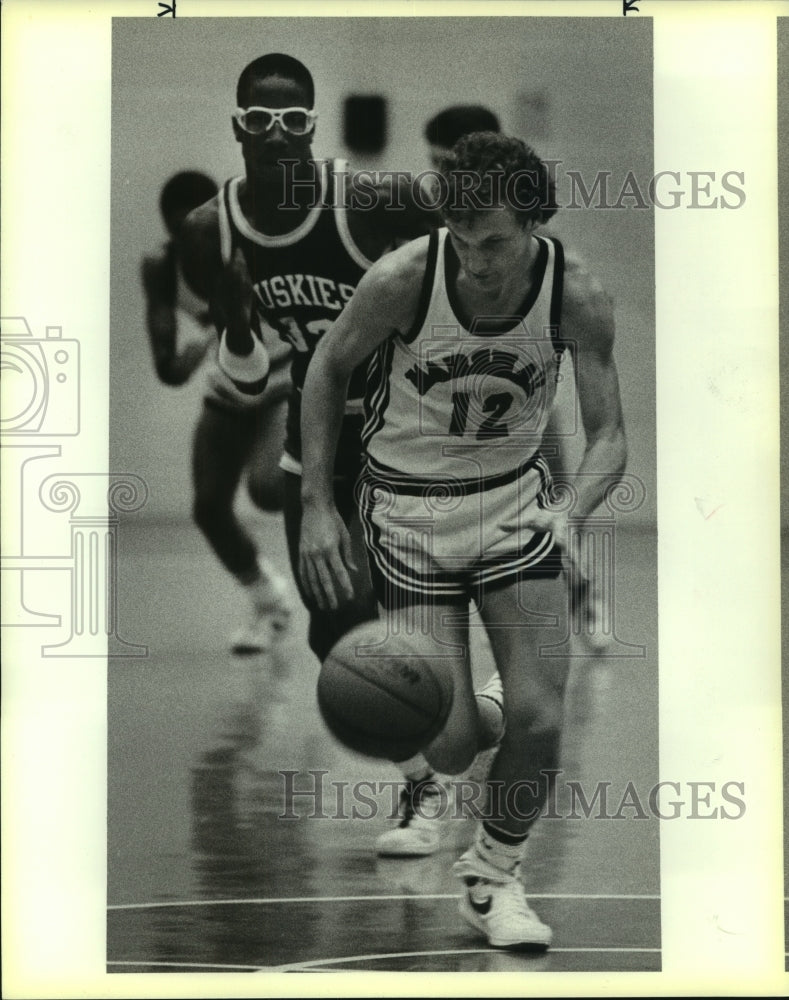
[(341, 677), (384, 477)]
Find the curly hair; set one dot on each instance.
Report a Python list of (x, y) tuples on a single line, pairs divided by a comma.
[(489, 170)]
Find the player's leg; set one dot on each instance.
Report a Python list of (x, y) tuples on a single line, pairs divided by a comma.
[(534, 686), (223, 440), (439, 632), (327, 627), (265, 482), (520, 777), (404, 576), (221, 445), (265, 479), (419, 831)]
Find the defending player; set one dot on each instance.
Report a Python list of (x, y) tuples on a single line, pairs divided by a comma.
[(235, 436), (467, 327), (284, 247)]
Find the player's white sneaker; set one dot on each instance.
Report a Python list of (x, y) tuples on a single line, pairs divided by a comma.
[(268, 618), (419, 832), (497, 907)]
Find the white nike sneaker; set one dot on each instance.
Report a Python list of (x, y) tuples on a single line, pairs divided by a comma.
[(497, 908), (271, 607), (419, 832)]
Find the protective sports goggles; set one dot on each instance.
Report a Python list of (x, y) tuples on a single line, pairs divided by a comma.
[(257, 121)]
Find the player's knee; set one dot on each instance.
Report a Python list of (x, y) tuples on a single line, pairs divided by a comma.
[(452, 752), (534, 715)]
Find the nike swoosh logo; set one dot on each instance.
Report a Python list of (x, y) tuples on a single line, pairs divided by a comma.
[(482, 907)]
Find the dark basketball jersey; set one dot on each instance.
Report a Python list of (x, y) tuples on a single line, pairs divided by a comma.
[(303, 278)]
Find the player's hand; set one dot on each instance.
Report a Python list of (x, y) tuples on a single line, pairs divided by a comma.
[(325, 559)]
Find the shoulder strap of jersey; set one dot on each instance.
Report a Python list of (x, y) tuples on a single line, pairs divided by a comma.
[(557, 291), (428, 280), (339, 173), (239, 227)]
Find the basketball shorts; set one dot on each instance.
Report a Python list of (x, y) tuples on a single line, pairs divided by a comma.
[(451, 540)]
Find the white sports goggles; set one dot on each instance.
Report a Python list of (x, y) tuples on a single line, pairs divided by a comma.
[(258, 121)]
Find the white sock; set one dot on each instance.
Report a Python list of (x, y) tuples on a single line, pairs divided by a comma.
[(502, 854)]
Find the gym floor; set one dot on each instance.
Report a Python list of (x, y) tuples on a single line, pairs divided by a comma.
[(204, 874)]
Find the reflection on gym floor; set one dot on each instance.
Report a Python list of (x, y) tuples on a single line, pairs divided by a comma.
[(206, 874)]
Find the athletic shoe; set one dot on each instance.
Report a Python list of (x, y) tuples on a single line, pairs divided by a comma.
[(419, 832), (271, 606), (497, 908)]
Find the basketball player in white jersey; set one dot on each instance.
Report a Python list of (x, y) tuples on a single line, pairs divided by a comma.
[(233, 437), (282, 248), (418, 832), (468, 327)]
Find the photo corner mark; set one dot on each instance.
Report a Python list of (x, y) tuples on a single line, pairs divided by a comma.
[(628, 7), (168, 8)]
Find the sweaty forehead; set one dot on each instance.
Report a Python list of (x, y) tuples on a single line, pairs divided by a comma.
[(276, 92)]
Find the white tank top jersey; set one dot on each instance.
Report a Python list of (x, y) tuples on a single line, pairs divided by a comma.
[(466, 398)]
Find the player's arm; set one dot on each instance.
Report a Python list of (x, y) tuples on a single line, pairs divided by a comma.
[(384, 303), (227, 288), (588, 326), (159, 286)]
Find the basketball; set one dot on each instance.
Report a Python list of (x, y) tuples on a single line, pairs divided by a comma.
[(380, 696)]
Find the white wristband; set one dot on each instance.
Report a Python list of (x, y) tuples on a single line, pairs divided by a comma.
[(244, 368)]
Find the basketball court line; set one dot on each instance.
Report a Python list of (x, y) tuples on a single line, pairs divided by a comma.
[(215, 966), (357, 899), (316, 964), (299, 966)]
